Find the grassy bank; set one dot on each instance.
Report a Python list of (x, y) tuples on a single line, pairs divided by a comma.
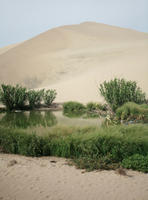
[(90, 148)]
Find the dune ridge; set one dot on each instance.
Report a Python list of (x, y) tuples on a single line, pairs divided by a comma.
[(75, 59)]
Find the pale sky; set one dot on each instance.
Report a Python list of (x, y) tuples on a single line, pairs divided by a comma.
[(23, 19)]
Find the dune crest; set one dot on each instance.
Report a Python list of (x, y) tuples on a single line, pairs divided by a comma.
[(75, 59)]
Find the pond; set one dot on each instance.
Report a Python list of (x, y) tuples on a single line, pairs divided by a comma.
[(41, 121)]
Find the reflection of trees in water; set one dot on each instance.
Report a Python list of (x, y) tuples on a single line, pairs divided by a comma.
[(47, 119), (22, 120)]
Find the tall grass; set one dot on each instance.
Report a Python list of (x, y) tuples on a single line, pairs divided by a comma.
[(90, 147), (133, 111)]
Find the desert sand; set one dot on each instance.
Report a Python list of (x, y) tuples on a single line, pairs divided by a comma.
[(75, 59), (23, 178)]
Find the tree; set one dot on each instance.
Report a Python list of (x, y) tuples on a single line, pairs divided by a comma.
[(119, 91)]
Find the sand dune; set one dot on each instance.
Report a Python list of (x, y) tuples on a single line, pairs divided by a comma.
[(7, 48), (39, 178), (76, 59)]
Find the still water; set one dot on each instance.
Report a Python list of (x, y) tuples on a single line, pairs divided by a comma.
[(34, 120)]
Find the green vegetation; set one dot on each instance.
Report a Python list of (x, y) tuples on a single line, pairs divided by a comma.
[(49, 97), (91, 106), (119, 91), (13, 97), (108, 147), (132, 111), (136, 162), (35, 97), (91, 110), (90, 148), (16, 97), (73, 109)]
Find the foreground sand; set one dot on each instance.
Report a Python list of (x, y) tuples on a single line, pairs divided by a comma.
[(42, 178)]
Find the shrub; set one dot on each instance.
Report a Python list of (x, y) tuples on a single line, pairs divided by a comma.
[(119, 91), (95, 148), (0, 95), (35, 97), (132, 111), (49, 97), (72, 108), (91, 106), (136, 162), (102, 107), (13, 97)]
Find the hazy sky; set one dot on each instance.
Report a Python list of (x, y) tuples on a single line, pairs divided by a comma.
[(23, 19)]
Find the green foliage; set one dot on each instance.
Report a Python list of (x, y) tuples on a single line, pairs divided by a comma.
[(13, 97), (91, 106), (102, 107), (95, 110), (73, 108), (35, 97), (136, 162), (104, 148), (0, 95), (132, 111), (119, 91), (49, 97)]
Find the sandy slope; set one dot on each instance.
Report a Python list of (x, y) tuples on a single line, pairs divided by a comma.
[(41, 179), (7, 48), (75, 59)]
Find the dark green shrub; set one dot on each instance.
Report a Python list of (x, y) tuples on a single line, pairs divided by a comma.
[(132, 111), (119, 91), (0, 95), (136, 162), (95, 149), (35, 97), (13, 97), (73, 108), (91, 106), (49, 97), (102, 107)]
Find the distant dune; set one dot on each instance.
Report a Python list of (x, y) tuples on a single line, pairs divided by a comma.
[(76, 59)]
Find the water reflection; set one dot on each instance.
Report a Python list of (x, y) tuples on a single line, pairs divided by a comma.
[(28, 119), (36, 120)]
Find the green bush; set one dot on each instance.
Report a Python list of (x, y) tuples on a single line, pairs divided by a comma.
[(104, 148), (132, 111), (0, 95), (91, 106), (49, 97), (35, 97), (73, 108), (136, 162), (119, 91), (13, 97), (102, 107)]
